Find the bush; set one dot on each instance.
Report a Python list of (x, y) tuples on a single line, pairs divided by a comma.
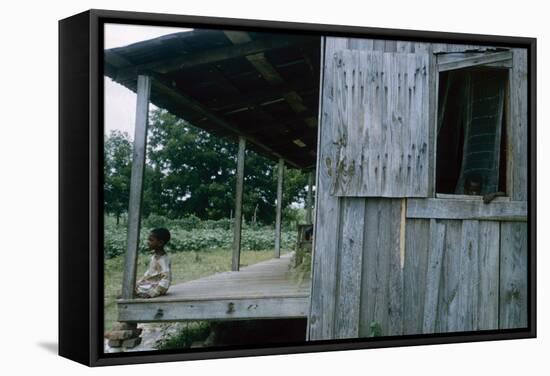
[(192, 234)]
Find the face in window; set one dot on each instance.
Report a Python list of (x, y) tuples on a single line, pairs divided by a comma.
[(472, 185)]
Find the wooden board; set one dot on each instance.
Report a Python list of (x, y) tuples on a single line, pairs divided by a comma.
[(327, 223), (136, 185), (467, 209), (379, 127), (218, 309), (263, 290), (433, 276), (513, 275), (348, 298), (382, 282), (519, 126)]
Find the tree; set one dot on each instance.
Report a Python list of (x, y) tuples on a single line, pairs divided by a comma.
[(117, 169), (190, 171)]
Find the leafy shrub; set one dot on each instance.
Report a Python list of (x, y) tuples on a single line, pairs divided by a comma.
[(203, 235)]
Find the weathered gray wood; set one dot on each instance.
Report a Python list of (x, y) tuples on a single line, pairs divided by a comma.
[(433, 89), (513, 275), (470, 197), (489, 242), (218, 309), (374, 289), (382, 103), (279, 207), (467, 293), (396, 242), (414, 274), (433, 275), (348, 296), (382, 276), (461, 61), (136, 186), (236, 257), (309, 197), (447, 308), (467, 209), (405, 47), (519, 125), (323, 290)]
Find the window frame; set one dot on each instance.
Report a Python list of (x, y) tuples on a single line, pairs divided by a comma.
[(445, 62)]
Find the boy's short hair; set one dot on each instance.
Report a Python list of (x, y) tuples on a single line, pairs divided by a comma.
[(161, 234)]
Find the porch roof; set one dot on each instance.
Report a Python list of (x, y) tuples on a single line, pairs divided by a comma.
[(262, 86)]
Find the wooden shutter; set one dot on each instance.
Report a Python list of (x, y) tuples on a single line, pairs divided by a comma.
[(375, 107)]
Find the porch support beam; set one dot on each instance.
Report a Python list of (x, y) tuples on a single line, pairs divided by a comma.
[(235, 261), (136, 186), (309, 197), (281, 168)]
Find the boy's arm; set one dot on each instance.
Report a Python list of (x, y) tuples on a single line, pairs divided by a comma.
[(166, 275), (146, 274)]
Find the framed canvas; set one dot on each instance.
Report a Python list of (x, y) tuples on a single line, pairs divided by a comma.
[(234, 187)]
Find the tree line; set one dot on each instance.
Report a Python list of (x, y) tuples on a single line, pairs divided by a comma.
[(190, 171)]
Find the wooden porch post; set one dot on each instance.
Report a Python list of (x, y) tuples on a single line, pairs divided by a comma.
[(136, 186), (309, 197), (238, 206), (281, 168)]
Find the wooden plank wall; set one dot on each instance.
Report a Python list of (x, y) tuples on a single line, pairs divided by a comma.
[(458, 274), (387, 94)]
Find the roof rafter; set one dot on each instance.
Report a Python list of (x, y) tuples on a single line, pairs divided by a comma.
[(161, 84), (268, 71), (204, 57)]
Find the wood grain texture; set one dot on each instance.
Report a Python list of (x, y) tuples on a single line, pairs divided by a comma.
[(381, 105), (489, 258), (381, 285), (325, 253), (347, 308), (433, 275), (236, 256), (513, 276), (466, 60), (452, 277), (279, 207), (136, 186), (467, 209), (262, 290), (468, 279), (519, 125), (218, 309), (447, 306), (415, 274)]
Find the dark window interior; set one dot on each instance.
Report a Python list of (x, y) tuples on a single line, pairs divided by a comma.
[(471, 131)]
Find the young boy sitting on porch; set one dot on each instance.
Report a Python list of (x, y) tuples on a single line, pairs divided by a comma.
[(158, 276)]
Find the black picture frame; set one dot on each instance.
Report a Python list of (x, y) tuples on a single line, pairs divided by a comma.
[(80, 183)]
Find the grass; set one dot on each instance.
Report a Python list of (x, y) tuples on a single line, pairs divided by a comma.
[(184, 338), (186, 266)]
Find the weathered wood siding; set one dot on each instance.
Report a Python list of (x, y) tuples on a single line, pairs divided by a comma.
[(392, 266), (378, 103)]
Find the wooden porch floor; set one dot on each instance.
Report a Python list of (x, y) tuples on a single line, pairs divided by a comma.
[(259, 291)]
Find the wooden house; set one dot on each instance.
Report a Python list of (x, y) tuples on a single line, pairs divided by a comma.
[(405, 140)]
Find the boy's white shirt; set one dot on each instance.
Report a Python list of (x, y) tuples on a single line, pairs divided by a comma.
[(158, 273)]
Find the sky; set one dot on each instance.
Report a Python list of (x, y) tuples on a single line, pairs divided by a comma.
[(120, 103)]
